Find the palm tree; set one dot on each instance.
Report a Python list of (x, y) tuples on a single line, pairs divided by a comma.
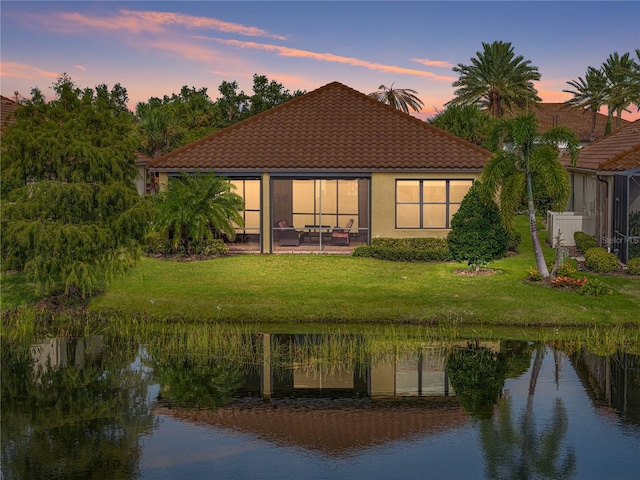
[(496, 79), (400, 98), (523, 156), (464, 121), (196, 206), (158, 129), (622, 91), (589, 93)]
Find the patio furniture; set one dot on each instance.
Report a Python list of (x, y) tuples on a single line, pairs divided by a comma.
[(315, 232), (288, 236), (340, 236)]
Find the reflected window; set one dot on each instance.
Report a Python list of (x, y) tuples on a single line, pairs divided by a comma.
[(249, 190)]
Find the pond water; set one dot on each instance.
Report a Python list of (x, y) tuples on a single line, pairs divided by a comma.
[(237, 405)]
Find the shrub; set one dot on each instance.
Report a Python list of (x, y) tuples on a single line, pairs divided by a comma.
[(567, 269), (584, 241), (411, 243), (477, 233), (156, 243), (595, 288), (402, 254), (211, 247), (600, 261), (534, 274), (633, 266), (568, 282)]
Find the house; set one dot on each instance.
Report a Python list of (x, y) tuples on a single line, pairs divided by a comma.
[(579, 120), (7, 108), (605, 200), (332, 155), (142, 177)]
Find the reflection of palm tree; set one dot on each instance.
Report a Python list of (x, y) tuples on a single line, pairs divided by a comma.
[(400, 98), (517, 451)]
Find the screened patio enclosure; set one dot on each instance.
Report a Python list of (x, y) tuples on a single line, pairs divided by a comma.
[(318, 213), (626, 216)]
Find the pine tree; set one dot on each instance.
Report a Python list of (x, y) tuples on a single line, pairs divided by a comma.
[(71, 216)]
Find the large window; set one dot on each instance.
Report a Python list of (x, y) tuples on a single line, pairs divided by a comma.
[(249, 190), (428, 203)]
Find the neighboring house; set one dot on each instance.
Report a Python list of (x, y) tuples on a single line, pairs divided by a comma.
[(142, 178), (7, 107), (577, 119), (605, 199), (332, 155)]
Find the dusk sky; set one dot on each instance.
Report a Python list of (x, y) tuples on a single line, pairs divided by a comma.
[(154, 48)]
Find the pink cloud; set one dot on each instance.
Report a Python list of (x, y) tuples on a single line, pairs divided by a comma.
[(433, 63), (24, 71), (328, 57), (141, 22)]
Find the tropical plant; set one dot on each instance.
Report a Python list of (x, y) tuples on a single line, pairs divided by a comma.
[(464, 121), (496, 79), (400, 98), (523, 156), (589, 93), (71, 215), (622, 83), (197, 207)]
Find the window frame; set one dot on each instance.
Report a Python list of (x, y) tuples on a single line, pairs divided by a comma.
[(421, 203)]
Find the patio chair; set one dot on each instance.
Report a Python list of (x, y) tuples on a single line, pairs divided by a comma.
[(289, 237), (340, 236)]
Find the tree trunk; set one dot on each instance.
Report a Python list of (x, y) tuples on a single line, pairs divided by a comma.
[(541, 265)]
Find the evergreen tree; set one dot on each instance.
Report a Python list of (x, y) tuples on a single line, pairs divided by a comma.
[(71, 216), (477, 233)]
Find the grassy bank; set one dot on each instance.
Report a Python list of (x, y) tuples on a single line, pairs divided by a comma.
[(314, 288), (318, 288)]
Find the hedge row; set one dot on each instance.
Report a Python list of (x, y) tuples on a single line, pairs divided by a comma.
[(598, 260), (405, 249), (584, 241)]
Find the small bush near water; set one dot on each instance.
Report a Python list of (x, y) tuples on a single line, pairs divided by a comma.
[(598, 260), (405, 249)]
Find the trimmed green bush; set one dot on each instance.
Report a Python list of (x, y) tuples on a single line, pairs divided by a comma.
[(595, 288), (584, 241), (477, 233), (405, 249), (633, 266), (600, 261), (403, 254)]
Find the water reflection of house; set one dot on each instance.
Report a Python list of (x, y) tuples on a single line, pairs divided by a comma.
[(56, 353), (342, 408), (612, 382)]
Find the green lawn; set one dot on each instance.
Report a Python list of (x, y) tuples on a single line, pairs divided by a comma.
[(314, 288), (317, 288)]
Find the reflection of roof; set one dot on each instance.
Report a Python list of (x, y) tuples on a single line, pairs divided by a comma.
[(335, 428), (577, 119), (619, 151), (332, 128)]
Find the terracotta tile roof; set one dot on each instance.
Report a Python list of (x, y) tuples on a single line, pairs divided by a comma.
[(332, 128), (334, 430), (577, 119), (619, 151), (7, 107), (142, 159)]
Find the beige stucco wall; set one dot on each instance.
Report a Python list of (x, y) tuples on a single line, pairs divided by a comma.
[(383, 203), (163, 181)]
